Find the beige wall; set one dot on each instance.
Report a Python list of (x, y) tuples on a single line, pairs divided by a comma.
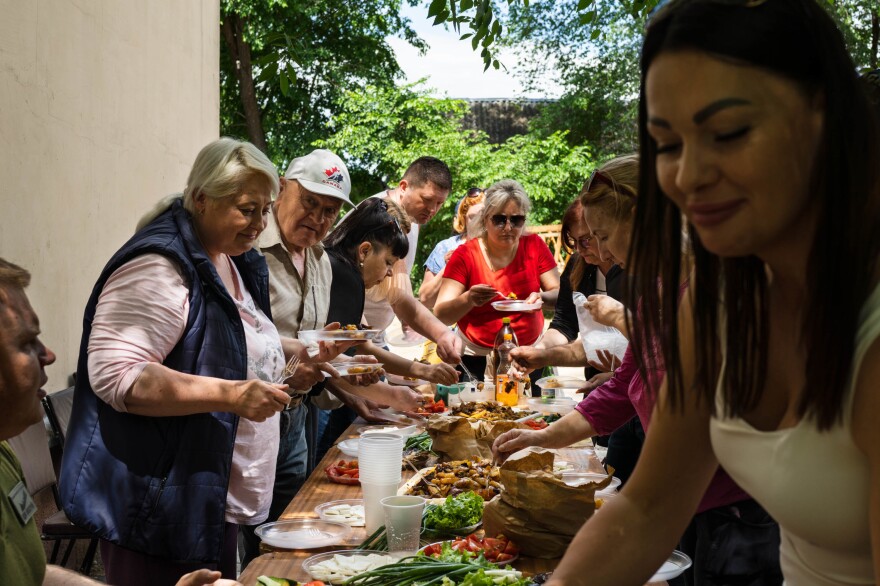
[(103, 107)]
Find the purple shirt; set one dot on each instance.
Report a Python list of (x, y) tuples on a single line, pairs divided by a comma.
[(624, 395)]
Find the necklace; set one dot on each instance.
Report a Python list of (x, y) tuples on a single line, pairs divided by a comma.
[(488, 258)]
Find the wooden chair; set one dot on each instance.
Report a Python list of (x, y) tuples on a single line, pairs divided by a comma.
[(32, 449)]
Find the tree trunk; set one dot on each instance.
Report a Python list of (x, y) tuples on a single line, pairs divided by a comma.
[(875, 38), (240, 52)]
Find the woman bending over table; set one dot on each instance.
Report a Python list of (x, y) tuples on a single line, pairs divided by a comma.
[(728, 524), (769, 162), (500, 261), (174, 429)]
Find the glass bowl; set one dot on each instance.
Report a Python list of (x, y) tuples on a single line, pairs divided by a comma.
[(303, 533)]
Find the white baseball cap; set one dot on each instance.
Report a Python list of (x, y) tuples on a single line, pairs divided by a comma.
[(322, 172)]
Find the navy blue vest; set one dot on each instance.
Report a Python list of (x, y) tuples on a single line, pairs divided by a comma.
[(157, 485)]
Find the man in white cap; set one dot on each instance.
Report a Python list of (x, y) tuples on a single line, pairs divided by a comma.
[(313, 191)]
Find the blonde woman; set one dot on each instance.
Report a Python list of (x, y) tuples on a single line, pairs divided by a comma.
[(174, 431)]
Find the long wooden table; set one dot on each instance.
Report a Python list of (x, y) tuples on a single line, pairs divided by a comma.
[(318, 490)]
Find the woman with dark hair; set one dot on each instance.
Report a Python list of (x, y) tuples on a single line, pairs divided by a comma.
[(363, 251), (588, 274), (770, 159)]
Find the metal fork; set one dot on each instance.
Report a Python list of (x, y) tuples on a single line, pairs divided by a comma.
[(289, 369)]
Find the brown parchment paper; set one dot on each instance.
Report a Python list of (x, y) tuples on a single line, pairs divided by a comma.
[(457, 438), (539, 512)]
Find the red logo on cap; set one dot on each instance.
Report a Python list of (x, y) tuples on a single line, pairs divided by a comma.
[(334, 177)]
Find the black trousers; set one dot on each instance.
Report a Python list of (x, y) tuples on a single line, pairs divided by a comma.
[(734, 545)]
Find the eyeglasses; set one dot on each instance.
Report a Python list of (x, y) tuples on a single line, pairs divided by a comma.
[(515, 221), (312, 204), (583, 241), (666, 7), (598, 176)]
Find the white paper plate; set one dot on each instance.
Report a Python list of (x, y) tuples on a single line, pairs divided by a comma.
[(561, 382), (515, 305), (404, 431), (309, 336), (672, 568)]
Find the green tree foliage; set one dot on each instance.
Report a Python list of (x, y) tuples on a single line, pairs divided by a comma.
[(301, 56), (379, 131)]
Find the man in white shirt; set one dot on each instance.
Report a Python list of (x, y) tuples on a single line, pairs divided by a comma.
[(421, 192)]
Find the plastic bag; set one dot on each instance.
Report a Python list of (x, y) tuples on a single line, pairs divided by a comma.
[(594, 336)]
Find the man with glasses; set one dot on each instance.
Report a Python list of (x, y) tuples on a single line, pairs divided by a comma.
[(313, 191)]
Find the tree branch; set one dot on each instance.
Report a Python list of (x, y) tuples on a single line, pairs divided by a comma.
[(240, 52)]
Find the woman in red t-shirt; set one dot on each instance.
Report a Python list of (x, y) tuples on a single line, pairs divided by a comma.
[(501, 260)]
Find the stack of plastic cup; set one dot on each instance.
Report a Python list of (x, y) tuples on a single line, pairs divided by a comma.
[(379, 460)]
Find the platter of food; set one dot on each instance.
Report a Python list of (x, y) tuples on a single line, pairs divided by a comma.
[(348, 332), (455, 477), (303, 533), (515, 305), (348, 511), (565, 386), (343, 472), (335, 567), (432, 407), (498, 550), (352, 368), (488, 411)]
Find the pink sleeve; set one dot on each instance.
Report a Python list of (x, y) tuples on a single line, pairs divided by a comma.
[(458, 267), (141, 315), (609, 406)]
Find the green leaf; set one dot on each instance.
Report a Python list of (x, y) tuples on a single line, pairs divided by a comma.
[(436, 7), (584, 4), (467, 4), (465, 36), (285, 85), (595, 34)]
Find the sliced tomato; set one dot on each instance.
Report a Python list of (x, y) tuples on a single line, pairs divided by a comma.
[(503, 557), (511, 548), (459, 546), (314, 583)]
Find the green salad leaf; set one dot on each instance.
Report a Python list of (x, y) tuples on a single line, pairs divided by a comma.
[(461, 510)]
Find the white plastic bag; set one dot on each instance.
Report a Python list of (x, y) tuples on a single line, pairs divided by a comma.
[(595, 336)]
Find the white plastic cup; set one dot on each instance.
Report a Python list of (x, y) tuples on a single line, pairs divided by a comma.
[(403, 522), (374, 514), (379, 458)]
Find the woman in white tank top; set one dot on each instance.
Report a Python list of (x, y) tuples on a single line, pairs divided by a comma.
[(760, 146)]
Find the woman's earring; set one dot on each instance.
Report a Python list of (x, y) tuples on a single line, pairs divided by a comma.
[(361, 265)]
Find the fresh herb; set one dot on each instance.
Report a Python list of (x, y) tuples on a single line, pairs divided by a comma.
[(461, 510), (421, 570), (420, 442)]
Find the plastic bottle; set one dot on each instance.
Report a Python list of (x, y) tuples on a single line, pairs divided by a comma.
[(505, 329), (506, 387)]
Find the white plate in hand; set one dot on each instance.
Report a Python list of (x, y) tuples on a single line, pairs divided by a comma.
[(515, 305), (672, 568)]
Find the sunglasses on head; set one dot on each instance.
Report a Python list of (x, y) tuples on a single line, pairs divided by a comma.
[(598, 176), (516, 221), (474, 192)]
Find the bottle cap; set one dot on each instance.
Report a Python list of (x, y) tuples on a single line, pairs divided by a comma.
[(506, 321), (508, 337)]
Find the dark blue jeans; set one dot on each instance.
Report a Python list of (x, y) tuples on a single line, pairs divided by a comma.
[(291, 471)]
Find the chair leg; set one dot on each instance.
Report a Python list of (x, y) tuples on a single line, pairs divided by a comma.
[(86, 567), (56, 545), (67, 553)]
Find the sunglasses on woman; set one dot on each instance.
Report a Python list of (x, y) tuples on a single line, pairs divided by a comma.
[(516, 221)]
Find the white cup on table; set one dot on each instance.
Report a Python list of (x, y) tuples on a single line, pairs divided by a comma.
[(403, 522), (379, 457)]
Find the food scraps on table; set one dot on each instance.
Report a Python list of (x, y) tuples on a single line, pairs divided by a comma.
[(344, 472), (457, 476)]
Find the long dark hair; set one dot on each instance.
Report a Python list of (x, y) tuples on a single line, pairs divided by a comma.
[(375, 220), (794, 39)]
